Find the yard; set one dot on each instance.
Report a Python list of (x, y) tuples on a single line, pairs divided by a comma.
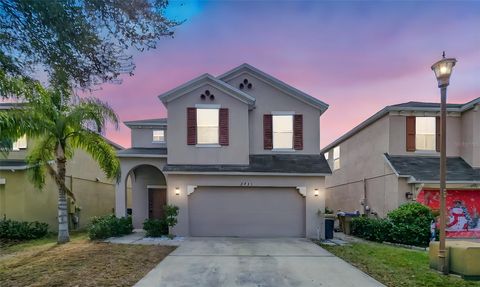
[(394, 266), (78, 263)]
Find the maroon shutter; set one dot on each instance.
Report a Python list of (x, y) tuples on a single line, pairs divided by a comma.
[(298, 132), (191, 126), (437, 134), (410, 133), (267, 132), (223, 126)]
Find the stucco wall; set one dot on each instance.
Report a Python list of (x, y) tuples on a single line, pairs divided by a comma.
[(143, 137), (470, 129), (313, 203), (270, 99), (19, 200), (235, 153)]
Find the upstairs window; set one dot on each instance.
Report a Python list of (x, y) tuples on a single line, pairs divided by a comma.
[(207, 126), (326, 155), (336, 158), (282, 126), (20, 143), (159, 136), (425, 131)]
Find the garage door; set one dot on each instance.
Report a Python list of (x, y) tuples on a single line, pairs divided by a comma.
[(247, 212)]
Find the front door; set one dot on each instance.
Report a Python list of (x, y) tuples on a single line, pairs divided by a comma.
[(157, 199)]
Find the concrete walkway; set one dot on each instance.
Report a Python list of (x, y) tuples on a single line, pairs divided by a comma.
[(254, 262), (138, 237)]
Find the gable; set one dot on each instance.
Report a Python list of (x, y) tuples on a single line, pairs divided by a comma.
[(246, 69)]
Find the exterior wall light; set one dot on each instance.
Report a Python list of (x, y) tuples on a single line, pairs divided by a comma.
[(315, 192), (177, 190)]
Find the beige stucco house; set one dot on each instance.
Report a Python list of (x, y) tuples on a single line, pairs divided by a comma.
[(239, 155), (393, 157), (20, 200)]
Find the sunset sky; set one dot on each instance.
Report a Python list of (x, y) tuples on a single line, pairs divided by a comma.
[(356, 56)]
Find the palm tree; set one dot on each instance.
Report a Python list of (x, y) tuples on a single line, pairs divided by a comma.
[(59, 126)]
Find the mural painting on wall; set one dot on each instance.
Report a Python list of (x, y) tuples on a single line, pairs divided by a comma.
[(463, 210)]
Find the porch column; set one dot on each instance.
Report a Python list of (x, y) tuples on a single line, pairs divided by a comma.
[(121, 197)]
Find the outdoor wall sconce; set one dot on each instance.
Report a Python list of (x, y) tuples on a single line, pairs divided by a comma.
[(315, 192), (177, 190), (409, 195)]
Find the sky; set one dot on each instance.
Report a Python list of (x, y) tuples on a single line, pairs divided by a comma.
[(356, 56)]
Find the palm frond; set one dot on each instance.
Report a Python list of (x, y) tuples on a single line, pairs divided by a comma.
[(91, 111), (41, 155)]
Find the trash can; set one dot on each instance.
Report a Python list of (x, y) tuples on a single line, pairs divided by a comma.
[(329, 224), (345, 219)]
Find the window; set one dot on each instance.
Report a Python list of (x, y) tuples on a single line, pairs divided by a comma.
[(425, 130), (336, 158), (159, 136), (326, 155), (207, 126), (282, 126), (21, 143)]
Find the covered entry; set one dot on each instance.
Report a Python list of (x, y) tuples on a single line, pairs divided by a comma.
[(247, 212)]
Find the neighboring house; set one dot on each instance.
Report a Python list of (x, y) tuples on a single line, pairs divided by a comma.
[(393, 157), (20, 200), (239, 155)]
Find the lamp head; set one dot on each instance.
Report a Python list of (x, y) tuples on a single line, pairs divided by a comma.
[(443, 70)]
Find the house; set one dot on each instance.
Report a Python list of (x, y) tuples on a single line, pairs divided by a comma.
[(20, 200), (393, 157), (239, 155)]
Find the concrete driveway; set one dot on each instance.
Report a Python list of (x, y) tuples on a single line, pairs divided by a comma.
[(253, 262)]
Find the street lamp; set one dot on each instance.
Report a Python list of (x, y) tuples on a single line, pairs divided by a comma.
[(443, 71)]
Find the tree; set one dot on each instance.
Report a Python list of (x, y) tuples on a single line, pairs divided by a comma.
[(60, 127), (78, 43)]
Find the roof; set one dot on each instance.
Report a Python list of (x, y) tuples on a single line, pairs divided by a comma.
[(148, 122), (285, 163), (424, 169), (143, 152), (276, 83), (8, 106), (201, 80), (408, 106), (13, 164)]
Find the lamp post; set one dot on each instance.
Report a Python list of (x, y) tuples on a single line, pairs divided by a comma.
[(443, 70)]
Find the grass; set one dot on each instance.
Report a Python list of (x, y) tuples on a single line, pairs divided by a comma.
[(394, 266), (78, 263)]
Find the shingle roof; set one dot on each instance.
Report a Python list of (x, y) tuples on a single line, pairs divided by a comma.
[(13, 164), (425, 105), (426, 168), (147, 122), (285, 163), (132, 152)]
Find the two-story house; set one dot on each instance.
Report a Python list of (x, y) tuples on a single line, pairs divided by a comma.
[(393, 157), (239, 155), (20, 200)]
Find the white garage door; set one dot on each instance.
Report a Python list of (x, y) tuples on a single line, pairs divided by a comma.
[(247, 212)]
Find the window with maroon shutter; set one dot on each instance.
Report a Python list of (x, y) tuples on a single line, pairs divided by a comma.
[(410, 133), (298, 132), (191, 126), (267, 132), (223, 127), (437, 134)]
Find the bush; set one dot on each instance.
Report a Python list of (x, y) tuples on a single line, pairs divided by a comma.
[(22, 230), (159, 227), (109, 226), (409, 224)]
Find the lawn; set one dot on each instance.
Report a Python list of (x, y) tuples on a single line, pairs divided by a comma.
[(78, 263), (394, 266)]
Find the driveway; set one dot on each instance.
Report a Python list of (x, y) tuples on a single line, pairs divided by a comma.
[(253, 262)]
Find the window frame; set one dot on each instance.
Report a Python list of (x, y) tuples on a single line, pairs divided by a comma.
[(159, 141), (292, 132), (336, 158), (208, 107), (15, 144), (434, 135)]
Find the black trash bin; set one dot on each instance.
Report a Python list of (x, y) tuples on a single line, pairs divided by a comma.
[(329, 223)]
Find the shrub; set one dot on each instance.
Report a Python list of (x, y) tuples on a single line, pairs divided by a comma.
[(22, 230), (109, 226), (159, 227), (409, 224)]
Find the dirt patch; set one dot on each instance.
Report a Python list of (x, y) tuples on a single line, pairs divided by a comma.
[(81, 263)]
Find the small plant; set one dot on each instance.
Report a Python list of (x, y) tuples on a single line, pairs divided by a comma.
[(159, 227), (22, 230), (109, 226)]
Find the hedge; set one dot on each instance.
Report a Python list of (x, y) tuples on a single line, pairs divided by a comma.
[(109, 226), (22, 230), (409, 224)]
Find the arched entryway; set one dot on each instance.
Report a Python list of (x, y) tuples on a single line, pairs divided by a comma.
[(147, 186)]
